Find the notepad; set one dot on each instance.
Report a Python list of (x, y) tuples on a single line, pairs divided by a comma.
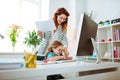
[(48, 62), (54, 62), (45, 26)]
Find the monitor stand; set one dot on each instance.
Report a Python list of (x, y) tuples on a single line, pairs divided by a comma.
[(96, 51)]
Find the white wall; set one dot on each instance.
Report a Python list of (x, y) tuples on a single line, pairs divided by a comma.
[(104, 9), (80, 8), (55, 4)]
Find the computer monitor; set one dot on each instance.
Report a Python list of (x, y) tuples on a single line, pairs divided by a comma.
[(86, 36)]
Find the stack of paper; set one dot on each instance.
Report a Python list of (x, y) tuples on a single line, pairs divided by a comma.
[(9, 64)]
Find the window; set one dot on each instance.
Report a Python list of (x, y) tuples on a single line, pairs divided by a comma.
[(20, 12), (45, 10)]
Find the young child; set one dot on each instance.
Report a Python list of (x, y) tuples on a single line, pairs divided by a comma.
[(57, 52)]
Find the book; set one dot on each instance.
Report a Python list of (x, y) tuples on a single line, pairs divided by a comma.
[(9, 64), (115, 51)]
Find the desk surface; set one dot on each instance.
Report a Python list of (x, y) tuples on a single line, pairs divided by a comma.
[(44, 70)]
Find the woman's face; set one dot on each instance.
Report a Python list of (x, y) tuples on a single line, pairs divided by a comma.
[(58, 50), (61, 18)]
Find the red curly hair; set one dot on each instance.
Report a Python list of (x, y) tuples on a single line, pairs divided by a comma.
[(59, 12), (55, 44)]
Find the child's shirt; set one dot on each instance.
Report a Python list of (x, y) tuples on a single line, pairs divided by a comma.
[(50, 55)]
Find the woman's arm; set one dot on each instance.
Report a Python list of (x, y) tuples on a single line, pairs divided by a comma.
[(44, 34), (45, 41)]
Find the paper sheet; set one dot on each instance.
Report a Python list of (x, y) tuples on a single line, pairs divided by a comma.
[(45, 26)]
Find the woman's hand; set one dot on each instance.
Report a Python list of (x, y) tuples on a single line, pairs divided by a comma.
[(40, 33)]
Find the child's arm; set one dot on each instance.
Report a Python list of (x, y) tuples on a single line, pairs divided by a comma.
[(56, 58)]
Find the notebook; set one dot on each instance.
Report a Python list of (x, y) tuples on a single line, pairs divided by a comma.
[(9, 64)]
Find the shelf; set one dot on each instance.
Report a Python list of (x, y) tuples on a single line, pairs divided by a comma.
[(109, 42), (115, 24), (108, 26), (106, 58), (100, 27), (116, 41), (117, 58), (104, 42), (105, 47)]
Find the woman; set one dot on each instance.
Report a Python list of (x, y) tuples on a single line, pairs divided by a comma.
[(60, 33)]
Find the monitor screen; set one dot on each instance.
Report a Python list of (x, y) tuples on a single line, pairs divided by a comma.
[(87, 30)]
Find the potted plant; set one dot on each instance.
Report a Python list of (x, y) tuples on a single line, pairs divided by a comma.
[(32, 40), (14, 33)]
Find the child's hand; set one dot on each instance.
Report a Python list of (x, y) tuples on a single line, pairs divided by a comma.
[(63, 57)]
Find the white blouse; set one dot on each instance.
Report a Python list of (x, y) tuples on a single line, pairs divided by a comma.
[(59, 35)]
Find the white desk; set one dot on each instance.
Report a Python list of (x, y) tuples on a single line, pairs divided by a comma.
[(44, 70)]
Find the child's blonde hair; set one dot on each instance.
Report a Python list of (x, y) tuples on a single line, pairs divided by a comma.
[(55, 44)]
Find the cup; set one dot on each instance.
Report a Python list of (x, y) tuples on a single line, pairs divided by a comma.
[(30, 60)]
